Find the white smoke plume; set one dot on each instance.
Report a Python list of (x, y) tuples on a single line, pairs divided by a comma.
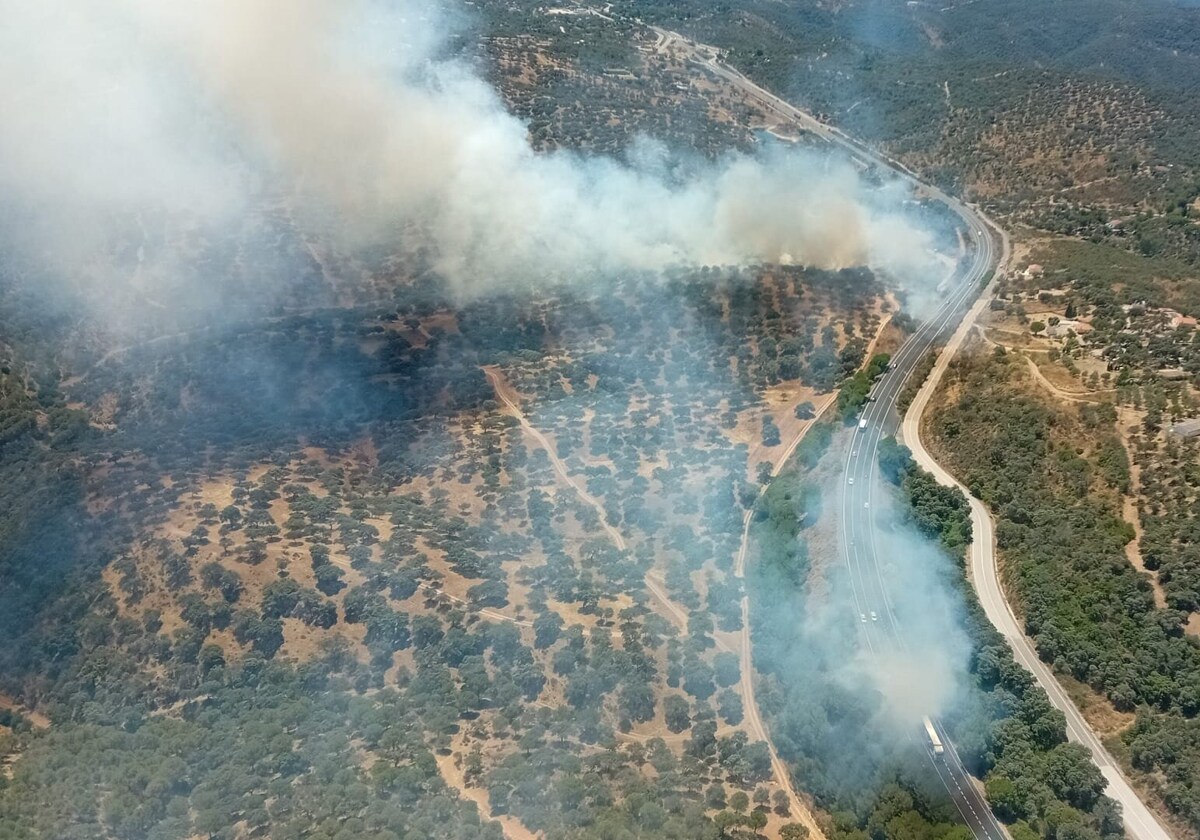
[(190, 105)]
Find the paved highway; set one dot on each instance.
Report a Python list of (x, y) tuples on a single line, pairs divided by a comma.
[(869, 585), (870, 590), (870, 594), (881, 629), (706, 57)]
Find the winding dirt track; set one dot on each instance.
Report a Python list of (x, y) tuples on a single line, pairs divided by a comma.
[(511, 399), (799, 809), (513, 828)]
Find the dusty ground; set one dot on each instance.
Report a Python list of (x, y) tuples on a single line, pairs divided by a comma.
[(1068, 389), (785, 400)]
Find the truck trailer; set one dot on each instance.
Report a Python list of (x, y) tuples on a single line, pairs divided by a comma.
[(934, 740)]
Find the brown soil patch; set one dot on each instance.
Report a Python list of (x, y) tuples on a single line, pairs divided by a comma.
[(1100, 714), (890, 338), (450, 765), (39, 720)]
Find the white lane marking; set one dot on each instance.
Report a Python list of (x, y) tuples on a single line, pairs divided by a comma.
[(924, 338)]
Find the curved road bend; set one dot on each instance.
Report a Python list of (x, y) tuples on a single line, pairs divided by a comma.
[(1140, 822), (882, 630)]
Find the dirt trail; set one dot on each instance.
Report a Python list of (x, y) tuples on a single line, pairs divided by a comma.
[(1133, 550), (182, 334), (753, 721), (452, 775), (1036, 372), (511, 399), (1126, 418), (1070, 396), (1129, 508)]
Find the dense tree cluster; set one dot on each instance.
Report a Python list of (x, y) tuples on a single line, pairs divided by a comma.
[(1005, 729), (1153, 365), (262, 748), (856, 390), (1062, 537)]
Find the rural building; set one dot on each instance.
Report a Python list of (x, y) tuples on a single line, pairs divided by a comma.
[(1187, 429), (1063, 328)]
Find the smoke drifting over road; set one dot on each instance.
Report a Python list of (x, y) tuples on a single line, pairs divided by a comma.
[(927, 674), (122, 113), (194, 105)]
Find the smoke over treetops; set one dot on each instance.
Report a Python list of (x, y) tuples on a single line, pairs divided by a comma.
[(192, 105)]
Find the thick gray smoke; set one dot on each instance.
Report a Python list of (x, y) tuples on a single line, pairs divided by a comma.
[(927, 674), (191, 106)]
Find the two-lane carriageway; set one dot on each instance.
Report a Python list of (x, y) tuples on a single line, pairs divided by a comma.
[(883, 633)]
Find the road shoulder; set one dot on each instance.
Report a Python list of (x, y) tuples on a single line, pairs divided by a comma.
[(1140, 823)]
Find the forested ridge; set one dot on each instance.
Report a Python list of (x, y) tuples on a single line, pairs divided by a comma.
[(1075, 117), (1043, 471), (328, 591)]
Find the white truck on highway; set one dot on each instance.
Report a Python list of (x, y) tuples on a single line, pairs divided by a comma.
[(862, 424), (934, 740)]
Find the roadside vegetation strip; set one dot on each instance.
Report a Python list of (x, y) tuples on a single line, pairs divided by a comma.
[(1020, 750), (745, 647), (808, 456), (856, 391), (984, 574), (917, 379), (850, 759)]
